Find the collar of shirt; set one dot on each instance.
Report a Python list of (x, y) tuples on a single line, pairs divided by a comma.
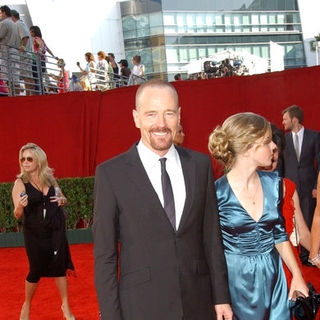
[(150, 159), (299, 133)]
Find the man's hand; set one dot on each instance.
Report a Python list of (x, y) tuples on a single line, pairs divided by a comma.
[(223, 311)]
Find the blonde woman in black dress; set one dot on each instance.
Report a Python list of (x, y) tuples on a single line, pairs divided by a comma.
[(38, 200)]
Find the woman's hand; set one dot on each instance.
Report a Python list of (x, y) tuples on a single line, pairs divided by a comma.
[(23, 201), (61, 201), (298, 284), (315, 260)]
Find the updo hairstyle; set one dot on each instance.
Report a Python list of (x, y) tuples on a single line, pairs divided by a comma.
[(237, 134)]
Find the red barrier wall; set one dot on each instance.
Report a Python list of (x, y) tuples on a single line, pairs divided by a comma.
[(81, 129)]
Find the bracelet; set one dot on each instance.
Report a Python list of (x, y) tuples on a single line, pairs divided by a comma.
[(315, 259)]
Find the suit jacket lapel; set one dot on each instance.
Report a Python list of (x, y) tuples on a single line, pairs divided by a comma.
[(304, 146), (137, 174), (188, 168)]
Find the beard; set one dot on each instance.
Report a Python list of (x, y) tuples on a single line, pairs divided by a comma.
[(161, 143)]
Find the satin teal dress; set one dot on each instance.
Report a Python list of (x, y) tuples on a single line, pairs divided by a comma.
[(257, 281)]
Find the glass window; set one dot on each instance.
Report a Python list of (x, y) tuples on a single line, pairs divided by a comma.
[(172, 55), (227, 19), (183, 54), (236, 20), (180, 20), (170, 30), (201, 24), (169, 19), (296, 18), (299, 53), (191, 19), (254, 19), (155, 19), (211, 51), (263, 19), (272, 18), (128, 23), (158, 54), (143, 32), (280, 18), (245, 20), (142, 22), (209, 19), (156, 30), (265, 52), (218, 19), (193, 54), (202, 53), (256, 51), (200, 19), (130, 34)]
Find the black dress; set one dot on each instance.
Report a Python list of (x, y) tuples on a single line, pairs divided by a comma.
[(45, 236)]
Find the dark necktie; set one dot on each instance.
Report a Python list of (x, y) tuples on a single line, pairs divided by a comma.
[(296, 145), (167, 194)]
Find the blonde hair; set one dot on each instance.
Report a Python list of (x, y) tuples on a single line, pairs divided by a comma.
[(45, 173), (237, 134)]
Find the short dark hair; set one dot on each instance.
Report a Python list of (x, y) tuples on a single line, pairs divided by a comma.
[(6, 10), (111, 54), (278, 138), (294, 111), (36, 30), (137, 58), (177, 76), (15, 14)]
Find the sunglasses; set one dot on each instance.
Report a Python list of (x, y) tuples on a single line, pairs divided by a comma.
[(29, 159)]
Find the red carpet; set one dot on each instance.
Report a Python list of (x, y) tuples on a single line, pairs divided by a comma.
[(46, 303)]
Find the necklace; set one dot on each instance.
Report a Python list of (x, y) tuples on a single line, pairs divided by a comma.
[(44, 209), (37, 186)]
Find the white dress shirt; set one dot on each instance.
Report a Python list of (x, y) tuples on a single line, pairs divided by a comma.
[(151, 164), (300, 138)]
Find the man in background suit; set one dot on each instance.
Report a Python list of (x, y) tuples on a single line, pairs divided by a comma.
[(172, 265), (301, 163)]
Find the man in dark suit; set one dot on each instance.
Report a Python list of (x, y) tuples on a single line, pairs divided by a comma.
[(301, 163), (158, 201)]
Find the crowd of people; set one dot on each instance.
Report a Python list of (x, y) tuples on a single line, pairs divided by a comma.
[(108, 74), (25, 54), (190, 247)]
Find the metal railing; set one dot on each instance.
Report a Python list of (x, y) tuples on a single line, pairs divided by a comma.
[(103, 80), (28, 73)]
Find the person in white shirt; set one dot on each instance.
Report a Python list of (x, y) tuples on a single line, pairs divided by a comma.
[(158, 202), (137, 72), (301, 163)]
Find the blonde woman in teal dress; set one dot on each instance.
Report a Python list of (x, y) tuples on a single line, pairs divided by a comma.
[(252, 227)]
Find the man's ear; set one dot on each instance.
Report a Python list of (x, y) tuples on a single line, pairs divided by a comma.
[(136, 118)]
